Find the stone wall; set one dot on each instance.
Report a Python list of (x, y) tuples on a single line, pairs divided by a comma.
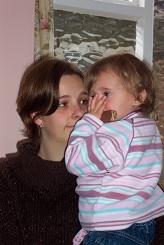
[(158, 67)]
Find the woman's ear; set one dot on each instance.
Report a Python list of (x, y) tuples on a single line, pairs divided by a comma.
[(37, 120)]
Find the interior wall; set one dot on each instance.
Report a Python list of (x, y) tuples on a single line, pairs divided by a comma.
[(16, 52)]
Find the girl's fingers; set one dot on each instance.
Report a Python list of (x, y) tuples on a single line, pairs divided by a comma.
[(99, 103), (101, 106), (89, 104), (92, 103), (96, 105)]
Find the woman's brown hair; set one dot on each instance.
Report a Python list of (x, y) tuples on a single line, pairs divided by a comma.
[(38, 93)]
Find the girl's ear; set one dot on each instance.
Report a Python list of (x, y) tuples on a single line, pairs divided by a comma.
[(143, 96), (37, 120), (141, 99)]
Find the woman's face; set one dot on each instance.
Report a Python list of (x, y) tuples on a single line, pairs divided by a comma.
[(73, 102)]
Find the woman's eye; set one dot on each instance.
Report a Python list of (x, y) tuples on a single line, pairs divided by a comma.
[(108, 94), (91, 94), (62, 104), (84, 102)]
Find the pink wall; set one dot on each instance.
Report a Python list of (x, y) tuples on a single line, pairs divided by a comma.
[(16, 52)]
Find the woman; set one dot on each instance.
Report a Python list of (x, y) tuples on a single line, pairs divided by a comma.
[(38, 204)]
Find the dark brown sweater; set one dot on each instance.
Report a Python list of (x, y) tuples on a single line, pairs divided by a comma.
[(38, 204)]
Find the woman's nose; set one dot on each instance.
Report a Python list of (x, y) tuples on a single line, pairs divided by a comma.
[(77, 112)]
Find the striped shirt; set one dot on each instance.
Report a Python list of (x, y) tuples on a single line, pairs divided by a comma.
[(118, 165)]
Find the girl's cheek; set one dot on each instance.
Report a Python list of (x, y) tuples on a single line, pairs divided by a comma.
[(108, 105)]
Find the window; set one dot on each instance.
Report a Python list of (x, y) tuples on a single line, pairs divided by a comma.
[(137, 15)]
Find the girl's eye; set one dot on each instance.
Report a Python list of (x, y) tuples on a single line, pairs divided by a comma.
[(108, 94)]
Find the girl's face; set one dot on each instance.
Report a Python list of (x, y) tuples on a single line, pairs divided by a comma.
[(118, 98), (73, 101)]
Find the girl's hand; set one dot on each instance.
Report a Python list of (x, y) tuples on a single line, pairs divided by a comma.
[(97, 105)]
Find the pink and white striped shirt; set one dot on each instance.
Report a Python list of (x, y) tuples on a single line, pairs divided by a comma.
[(118, 165)]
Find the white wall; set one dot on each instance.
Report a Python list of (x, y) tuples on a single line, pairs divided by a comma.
[(16, 52)]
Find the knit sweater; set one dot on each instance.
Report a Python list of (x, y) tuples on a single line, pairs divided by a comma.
[(118, 165), (38, 204)]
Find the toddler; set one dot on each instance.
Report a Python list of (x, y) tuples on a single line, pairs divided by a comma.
[(117, 159)]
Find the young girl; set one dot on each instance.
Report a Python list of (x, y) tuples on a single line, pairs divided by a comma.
[(118, 161), (38, 204)]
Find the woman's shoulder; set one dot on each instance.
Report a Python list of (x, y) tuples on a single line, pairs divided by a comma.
[(7, 163), (13, 165), (26, 149)]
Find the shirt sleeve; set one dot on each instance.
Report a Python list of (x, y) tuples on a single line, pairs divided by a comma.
[(95, 147)]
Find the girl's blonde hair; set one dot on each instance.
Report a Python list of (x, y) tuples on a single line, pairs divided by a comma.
[(135, 75)]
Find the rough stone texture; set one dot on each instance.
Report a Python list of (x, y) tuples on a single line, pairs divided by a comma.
[(158, 68)]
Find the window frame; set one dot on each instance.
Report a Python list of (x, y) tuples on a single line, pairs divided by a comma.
[(140, 11)]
